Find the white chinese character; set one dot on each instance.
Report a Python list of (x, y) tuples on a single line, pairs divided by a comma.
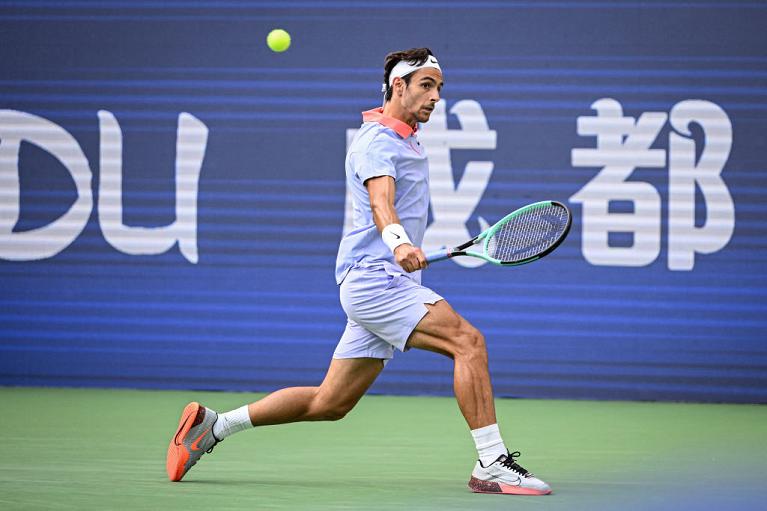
[(624, 144), (684, 238)]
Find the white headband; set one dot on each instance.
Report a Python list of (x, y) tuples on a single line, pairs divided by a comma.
[(403, 67)]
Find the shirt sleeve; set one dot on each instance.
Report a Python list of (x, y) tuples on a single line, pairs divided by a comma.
[(376, 160)]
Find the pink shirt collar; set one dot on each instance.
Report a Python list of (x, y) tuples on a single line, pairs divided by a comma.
[(376, 115)]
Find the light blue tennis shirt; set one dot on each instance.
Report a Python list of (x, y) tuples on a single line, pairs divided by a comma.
[(384, 146)]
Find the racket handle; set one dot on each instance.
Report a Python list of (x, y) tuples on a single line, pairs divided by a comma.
[(438, 255)]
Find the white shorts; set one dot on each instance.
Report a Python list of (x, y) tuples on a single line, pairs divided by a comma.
[(383, 308)]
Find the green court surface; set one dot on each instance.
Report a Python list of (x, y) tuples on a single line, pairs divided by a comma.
[(105, 449)]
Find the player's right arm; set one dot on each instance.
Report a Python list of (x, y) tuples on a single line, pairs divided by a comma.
[(381, 190)]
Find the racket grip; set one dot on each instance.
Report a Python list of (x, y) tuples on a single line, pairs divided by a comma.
[(438, 255)]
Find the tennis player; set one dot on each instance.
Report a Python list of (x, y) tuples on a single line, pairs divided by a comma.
[(379, 272)]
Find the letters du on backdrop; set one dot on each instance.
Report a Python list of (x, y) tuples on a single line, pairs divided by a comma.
[(47, 241), (622, 144)]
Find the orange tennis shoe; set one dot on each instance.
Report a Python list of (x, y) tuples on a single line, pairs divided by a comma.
[(193, 438)]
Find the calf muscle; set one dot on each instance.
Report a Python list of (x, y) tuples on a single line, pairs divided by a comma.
[(346, 382), (444, 331)]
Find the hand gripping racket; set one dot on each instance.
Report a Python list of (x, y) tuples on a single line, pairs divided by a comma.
[(523, 236)]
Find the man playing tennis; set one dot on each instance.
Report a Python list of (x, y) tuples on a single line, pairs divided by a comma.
[(378, 270)]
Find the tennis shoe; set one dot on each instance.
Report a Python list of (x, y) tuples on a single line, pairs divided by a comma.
[(193, 438), (505, 475)]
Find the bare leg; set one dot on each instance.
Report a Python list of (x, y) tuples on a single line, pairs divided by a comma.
[(444, 331), (346, 382)]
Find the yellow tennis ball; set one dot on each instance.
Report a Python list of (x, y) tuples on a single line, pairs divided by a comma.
[(278, 40)]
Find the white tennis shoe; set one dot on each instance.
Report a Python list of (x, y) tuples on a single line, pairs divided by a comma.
[(505, 475)]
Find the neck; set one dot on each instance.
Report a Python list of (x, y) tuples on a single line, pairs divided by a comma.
[(393, 109)]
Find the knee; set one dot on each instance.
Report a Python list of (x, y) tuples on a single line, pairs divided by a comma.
[(335, 412), (329, 410), (471, 344)]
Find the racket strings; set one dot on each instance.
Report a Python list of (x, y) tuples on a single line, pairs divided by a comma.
[(527, 235)]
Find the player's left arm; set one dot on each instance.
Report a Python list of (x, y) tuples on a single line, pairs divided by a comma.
[(382, 190)]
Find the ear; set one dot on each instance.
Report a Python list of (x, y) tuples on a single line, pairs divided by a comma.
[(399, 86)]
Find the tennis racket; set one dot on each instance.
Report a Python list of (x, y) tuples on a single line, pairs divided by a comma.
[(521, 237)]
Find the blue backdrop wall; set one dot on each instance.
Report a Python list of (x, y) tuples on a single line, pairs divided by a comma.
[(172, 192)]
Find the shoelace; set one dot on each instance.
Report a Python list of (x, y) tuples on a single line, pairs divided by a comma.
[(215, 443), (510, 462)]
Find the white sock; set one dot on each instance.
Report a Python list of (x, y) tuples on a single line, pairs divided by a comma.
[(232, 422), (489, 444)]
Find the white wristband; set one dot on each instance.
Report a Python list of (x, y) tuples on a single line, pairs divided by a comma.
[(394, 235)]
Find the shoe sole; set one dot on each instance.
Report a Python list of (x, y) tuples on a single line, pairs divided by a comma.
[(178, 454), (480, 486)]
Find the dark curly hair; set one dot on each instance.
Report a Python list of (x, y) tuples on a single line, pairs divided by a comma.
[(415, 56)]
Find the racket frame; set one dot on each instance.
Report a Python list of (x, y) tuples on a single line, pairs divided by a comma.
[(460, 250)]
